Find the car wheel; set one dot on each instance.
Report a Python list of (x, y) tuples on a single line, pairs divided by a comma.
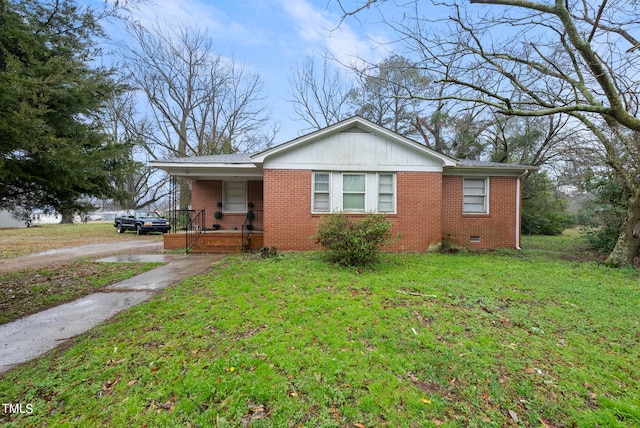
[(119, 228), (139, 229)]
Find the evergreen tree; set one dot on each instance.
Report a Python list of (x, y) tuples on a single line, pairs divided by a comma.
[(54, 153)]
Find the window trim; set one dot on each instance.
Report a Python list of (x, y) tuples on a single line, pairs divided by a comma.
[(485, 196), (363, 193), (224, 197), (314, 191), (371, 192), (393, 192)]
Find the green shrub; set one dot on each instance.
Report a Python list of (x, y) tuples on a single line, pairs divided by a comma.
[(605, 214), (543, 222), (543, 212), (351, 242)]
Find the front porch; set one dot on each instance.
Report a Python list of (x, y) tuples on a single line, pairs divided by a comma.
[(216, 241)]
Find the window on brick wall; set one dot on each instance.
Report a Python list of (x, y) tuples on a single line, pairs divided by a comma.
[(353, 192), (321, 188), (386, 193), (475, 199), (354, 187), (234, 197)]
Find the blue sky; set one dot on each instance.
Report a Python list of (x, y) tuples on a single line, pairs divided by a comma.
[(271, 36)]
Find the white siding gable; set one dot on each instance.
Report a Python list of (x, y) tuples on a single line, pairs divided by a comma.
[(354, 151)]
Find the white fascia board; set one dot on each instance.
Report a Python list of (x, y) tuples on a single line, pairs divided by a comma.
[(173, 165), (349, 123), (484, 172), (354, 168), (260, 157), (201, 170), (446, 160)]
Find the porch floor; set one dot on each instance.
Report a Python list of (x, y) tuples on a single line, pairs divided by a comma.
[(215, 241)]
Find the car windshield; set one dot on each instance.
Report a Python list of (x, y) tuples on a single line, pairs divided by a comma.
[(147, 214)]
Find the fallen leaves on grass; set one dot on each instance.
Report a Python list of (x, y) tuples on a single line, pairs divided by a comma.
[(546, 424), (168, 405), (251, 332), (107, 387), (256, 412), (26, 292)]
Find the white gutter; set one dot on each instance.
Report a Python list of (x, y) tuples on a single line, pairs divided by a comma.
[(518, 202)]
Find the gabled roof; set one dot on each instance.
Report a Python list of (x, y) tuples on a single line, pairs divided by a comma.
[(241, 164), (360, 124)]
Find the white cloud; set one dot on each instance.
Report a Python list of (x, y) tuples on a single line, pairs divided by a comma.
[(322, 29), (194, 13)]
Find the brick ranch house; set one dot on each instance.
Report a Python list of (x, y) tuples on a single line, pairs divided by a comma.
[(356, 167)]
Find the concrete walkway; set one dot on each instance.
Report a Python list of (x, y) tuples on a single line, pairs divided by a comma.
[(32, 336)]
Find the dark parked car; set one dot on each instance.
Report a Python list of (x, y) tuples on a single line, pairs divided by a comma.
[(141, 221)]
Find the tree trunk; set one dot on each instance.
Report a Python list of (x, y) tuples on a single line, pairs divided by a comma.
[(628, 242), (185, 193), (67, 218)]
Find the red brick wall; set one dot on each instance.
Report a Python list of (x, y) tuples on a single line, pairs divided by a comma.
[(205, 194), (421, 219), (419, 213), (496, 229), (289, 224)]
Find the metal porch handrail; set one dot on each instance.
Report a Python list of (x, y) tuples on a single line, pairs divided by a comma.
[(194, 228)]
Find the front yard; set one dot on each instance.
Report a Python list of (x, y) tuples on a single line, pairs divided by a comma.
[(29, 290), (493, 339), (22, 242)]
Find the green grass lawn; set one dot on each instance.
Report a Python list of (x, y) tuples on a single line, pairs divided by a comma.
[(21, 242), (569, 242), (423, 340), (29, 291)]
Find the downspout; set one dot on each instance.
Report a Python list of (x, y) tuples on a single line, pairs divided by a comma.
[(518, 203)]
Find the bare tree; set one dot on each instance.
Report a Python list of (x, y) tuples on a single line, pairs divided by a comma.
[(533, 59), (144, 185), (383, 94), (534, 141), (200, 103), (320, 97)]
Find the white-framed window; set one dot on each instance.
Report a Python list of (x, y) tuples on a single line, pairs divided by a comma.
[(321, 192), (386, 193), (354, 189), (353, 192), (475, 199), (234, 197)]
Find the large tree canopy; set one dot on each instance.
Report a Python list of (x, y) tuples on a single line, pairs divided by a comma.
[(538, 58), (200, 103), (54, 153)]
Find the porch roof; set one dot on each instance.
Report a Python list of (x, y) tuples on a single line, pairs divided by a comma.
[(207, 167), (242, 165)]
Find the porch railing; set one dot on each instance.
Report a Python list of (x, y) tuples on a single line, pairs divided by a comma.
[(192, 222), (194, 229)]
